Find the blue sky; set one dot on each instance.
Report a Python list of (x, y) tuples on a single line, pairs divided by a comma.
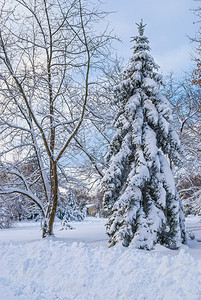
[(168, 24)]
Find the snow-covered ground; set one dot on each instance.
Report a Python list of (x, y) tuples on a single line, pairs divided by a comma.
[(76, 264)]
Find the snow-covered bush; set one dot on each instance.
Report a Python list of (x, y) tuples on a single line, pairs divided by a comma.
[(5, 218), (69, 210), (190, 193), (192, 205), (15, 208)]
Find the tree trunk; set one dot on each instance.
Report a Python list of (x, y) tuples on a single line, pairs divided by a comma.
[(51, 211)]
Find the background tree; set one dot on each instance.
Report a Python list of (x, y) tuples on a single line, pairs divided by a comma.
[(140, 193), (47, 50), (70, 210), (186, 106), (197, 40)]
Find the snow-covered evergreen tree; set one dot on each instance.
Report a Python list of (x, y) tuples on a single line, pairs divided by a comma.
[(71, 211), (140, 193)]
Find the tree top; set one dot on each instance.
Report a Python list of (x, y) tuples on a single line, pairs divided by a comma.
[(141, 27)]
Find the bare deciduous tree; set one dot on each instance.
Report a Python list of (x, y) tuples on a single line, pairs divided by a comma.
[(186, 106), (47, 50)]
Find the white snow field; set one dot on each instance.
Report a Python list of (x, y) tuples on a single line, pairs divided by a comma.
[(76, 264)]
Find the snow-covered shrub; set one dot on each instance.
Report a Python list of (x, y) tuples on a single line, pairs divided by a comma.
[(192, 204), (190, 193), (5, 218), (69, 210), (14, 208)]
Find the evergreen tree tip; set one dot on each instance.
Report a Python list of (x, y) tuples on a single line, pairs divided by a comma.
[(141, 36), (141, 27)]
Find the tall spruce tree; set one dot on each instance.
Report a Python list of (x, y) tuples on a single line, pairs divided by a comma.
[(139, 188)]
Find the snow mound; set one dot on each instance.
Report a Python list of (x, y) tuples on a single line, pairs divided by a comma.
[(55, 270)]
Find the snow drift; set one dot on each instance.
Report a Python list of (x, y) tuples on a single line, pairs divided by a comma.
[(55, 270)]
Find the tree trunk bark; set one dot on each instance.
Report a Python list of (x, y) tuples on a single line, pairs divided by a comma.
[(52, 206)]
